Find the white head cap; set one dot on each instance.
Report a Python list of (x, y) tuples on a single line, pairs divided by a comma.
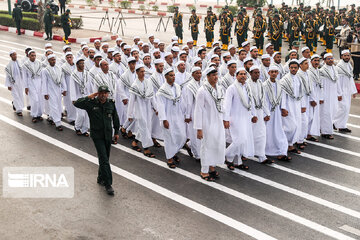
[(51, 56), (175, 49), (119, 39), (47, 45), (231, 62), (315, 56), (302, 60), (167, 54), (265, 56), (178, 63), (245, 43), (252, 48), (247, 59), (328, 55), (304, 49), (127, 47), (11, 52), (345, 51), (240, 69), (194, 69), (138, 66), (231, 46), (168, 70), (254, 68), (158, 61), (273, 68), (131, 59), (68, 53), (268, 45)]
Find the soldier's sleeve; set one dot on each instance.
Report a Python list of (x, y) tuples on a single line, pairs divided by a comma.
[(116, 122), (21, 16), (13, 13), (83, 103)]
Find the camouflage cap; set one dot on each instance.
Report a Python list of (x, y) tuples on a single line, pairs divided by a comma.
[(103, 89)]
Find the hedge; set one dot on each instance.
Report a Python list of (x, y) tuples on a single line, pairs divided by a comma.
[(76, 22), (26, 23)]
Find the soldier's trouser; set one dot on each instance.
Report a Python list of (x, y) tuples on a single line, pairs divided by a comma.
[(224, 39), (259, 42), (67, 32), (48, 30), (310, 43), (277, 44), (179, 32), (291, 40), (329, 41), (62, 8), (103, 151), (209, 36), (18, 24), (194, 36), (240, 39)]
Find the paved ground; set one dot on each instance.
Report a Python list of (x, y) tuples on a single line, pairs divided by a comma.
[(315, 196)]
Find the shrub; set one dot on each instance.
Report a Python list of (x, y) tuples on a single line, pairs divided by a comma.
[(142, 8), (191, 8), (171, 8), (90, 2), (25, 14), (26, 23), (112, 3), (125, 4), (155, 7)]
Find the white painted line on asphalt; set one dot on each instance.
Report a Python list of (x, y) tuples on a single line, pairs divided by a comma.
[(354, 115), (269, 207), (350, 229), (342, 150), (23, 45), (353, 125), (145, 183), (347, 136)]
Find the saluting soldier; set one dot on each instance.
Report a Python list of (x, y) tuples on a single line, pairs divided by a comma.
[(259, 30), (178, 24), (294, 28), (66, 24), (329, 28), (209, 23), (194, 26), (103, 117), (310, 30), (17, 16), (276, 29), (225, 24), (241, 27), (48, 21)]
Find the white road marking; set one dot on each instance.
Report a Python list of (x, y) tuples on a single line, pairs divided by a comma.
[(350, 229), (145, 183), (22, 45), (354, 115), (335, 148), (352, 125)]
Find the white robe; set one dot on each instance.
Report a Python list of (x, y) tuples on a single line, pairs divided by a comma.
[(189, 93), (182, 78), (118, 69), (276, 141), (292, 102), (149, 70), (348, 88), (208, 119), (141, 107), (14, 79), (239, 116), (226, 81), (32, 76), (281, 71), (157, 79), (170, 105), (264, 73), (223, 69), (106, 79), (332, 90), (92, 74), (69, 107), (316, 96), (79, 85), (261, 111), (304, 77), (89, 64), (126, 80), (53, 85)]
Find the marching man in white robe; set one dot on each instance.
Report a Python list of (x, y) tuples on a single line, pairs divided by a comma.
[(53, 87), (261, 112), (277, 63), (208, 122), (106, 78), (190, 92), (292, 105), (93, 72), (239, 115), (348, 88), (68, 67), (276, 141), (172, 117), (332, 95), (229, 77), (304, 77), (117, 68), (264, 67), (32, 78), (13, 81), (79, 85), (182, 77), (142, 105)]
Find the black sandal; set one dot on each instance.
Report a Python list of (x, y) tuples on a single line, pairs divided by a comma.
[(268, 161), (294, 150), (34, 120), (242, 167), (284, 158), (171, 164), (214, 174), (188, 149), (207, 178), (230, 165), (40, 118), (149, 154), (156, 144), (176, 159), (312, 139), (86, 134), (328, 136), (136, 148), (78, 132), (19, 114), (59, 128)]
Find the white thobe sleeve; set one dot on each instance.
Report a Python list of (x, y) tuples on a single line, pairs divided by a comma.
[(353, 88), (284, 101), (304, 101), (339, 87), (131, 106), (229, 95), (122, 92), (64, 87), (8, 81), (188, 101), (26, 79), (266, 107), (154, 104), (160, 100), (199, 110), (44, 83), (73, 90)]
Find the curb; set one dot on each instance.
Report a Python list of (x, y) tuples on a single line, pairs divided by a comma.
[(56, 37)]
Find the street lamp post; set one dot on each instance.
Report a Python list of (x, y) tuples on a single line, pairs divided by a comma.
[(9, 6)]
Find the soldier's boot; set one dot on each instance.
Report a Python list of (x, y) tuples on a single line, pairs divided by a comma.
[(315, 49), (279, 49), (47, 37), (224, 47), (64, 39), (181, 41), (195, 42), (330, 51), (261, 52), (207, 44)]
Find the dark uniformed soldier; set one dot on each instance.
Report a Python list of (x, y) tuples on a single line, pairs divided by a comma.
[(103, 117), (17, 16), (225, 26), (329, 28), (310, 31), (62, 6), (66, 24), (194, 26), (294, 28), (178, 24), (209, 23), (259, 29), (241, 27), (48, 21), (276, 29)]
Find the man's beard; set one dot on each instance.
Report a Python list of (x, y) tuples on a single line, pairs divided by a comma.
[(347, 60)]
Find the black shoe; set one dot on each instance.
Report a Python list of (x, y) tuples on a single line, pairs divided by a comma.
[(101, 182), (344, 130), (72, 123), (47, 38), (109, 190), (28, 108)]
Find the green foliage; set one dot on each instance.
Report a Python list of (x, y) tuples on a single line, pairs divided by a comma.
[(125, 4), (142, 7), (112, 3), (90, 2), (155, 7), (171, 8), (25, 14), (26, 23), (251, 3), (191, 8)]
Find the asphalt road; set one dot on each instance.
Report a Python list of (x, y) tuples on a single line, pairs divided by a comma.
[(315, 196)]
